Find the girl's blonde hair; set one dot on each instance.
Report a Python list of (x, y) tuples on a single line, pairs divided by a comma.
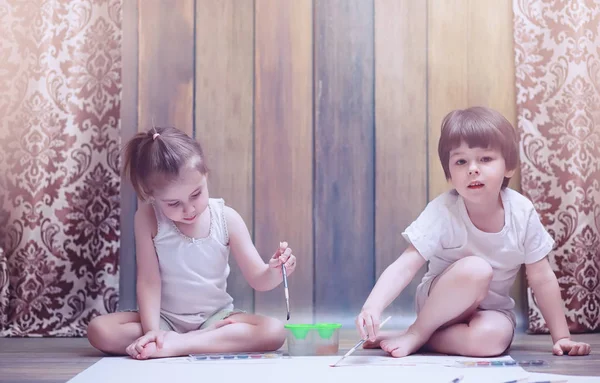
[(478, 127), (152, 159)]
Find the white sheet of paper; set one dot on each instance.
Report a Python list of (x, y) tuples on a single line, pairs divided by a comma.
[(539, 377), (290, 370), (415, 360)]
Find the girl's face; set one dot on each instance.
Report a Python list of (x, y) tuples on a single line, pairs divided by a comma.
[(184, 199), (477, 173)]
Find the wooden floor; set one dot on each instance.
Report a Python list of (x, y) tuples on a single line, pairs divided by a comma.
[(60, 359)]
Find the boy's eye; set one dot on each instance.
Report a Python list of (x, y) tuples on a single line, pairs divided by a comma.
[(196, 195), (173, 204), (461, 162)]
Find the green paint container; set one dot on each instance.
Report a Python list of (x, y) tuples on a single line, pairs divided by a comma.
[(313, 339)]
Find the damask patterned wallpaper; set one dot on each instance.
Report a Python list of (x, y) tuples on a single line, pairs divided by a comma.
[(557, 54), (60, 84)]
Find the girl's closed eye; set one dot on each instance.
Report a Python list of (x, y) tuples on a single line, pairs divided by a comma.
[(196, 195), (173, 204)]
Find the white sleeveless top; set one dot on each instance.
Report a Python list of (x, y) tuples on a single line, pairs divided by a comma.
[(193, 271)]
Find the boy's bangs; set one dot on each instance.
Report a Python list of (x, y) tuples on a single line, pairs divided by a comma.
[(475, 136)]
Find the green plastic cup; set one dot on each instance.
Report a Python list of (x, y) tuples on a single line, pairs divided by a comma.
[(313, 339)]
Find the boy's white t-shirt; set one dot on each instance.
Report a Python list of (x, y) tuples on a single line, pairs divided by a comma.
[(444, 233)]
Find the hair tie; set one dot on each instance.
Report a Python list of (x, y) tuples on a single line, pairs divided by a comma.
[(154, 136)]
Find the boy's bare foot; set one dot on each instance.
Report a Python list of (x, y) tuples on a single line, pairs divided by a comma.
[(385, 335), (404, 345)]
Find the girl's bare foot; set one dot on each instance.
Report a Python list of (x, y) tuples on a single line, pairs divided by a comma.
[(173, 342), (385, 335), (151, 350), (404, 345), (148, 351)]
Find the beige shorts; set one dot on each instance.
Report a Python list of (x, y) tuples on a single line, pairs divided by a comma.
[(423, 292), (220, 315), (165, 324)]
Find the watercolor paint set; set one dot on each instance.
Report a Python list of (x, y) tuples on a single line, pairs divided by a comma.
[(503, 363), (237, 356)]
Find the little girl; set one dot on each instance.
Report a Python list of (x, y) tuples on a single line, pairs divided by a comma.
[(183, 241), (475, 237)]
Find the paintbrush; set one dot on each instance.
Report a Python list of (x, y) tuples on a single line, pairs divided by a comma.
[(287, 293), (360, 343), (285, 285)]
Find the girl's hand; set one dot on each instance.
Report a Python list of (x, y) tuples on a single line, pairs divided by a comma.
[(367, 324), (283, 255), (135, 349), (566, 345)]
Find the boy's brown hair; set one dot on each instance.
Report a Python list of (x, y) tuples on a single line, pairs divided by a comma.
[(152, 159), (478, 127)]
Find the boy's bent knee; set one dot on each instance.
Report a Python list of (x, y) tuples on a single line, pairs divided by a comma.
[(475, 270)]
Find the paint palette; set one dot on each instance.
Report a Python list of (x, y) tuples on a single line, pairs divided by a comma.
[(237, 356), (503, 363)]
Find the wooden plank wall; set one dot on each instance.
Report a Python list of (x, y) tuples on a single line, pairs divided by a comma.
[(283, 146), (401, 133), (320, 120), (166, 68), (344, 156)]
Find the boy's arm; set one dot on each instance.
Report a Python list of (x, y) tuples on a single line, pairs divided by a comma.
[(259, 275), (538, 243), (543, 282), (148, 272), (547, 293), (389, 285)]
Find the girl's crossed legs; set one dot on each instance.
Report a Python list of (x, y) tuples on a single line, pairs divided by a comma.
[(449, 321), (242, 332)]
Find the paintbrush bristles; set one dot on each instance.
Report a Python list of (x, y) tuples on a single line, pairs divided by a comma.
[(358, 344)]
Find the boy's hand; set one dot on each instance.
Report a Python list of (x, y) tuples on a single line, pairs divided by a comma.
[(571, 347), (367, 323), (283, 255)]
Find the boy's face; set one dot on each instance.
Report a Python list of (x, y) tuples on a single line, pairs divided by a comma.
[(185, 199), (477, 173)]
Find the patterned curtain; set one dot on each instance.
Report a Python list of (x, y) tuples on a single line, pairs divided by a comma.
[(60, 86), (557, 55)]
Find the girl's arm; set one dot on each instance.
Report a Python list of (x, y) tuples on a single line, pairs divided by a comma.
[(148, 273), (258, 274), (389, 285), (542, 280)]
